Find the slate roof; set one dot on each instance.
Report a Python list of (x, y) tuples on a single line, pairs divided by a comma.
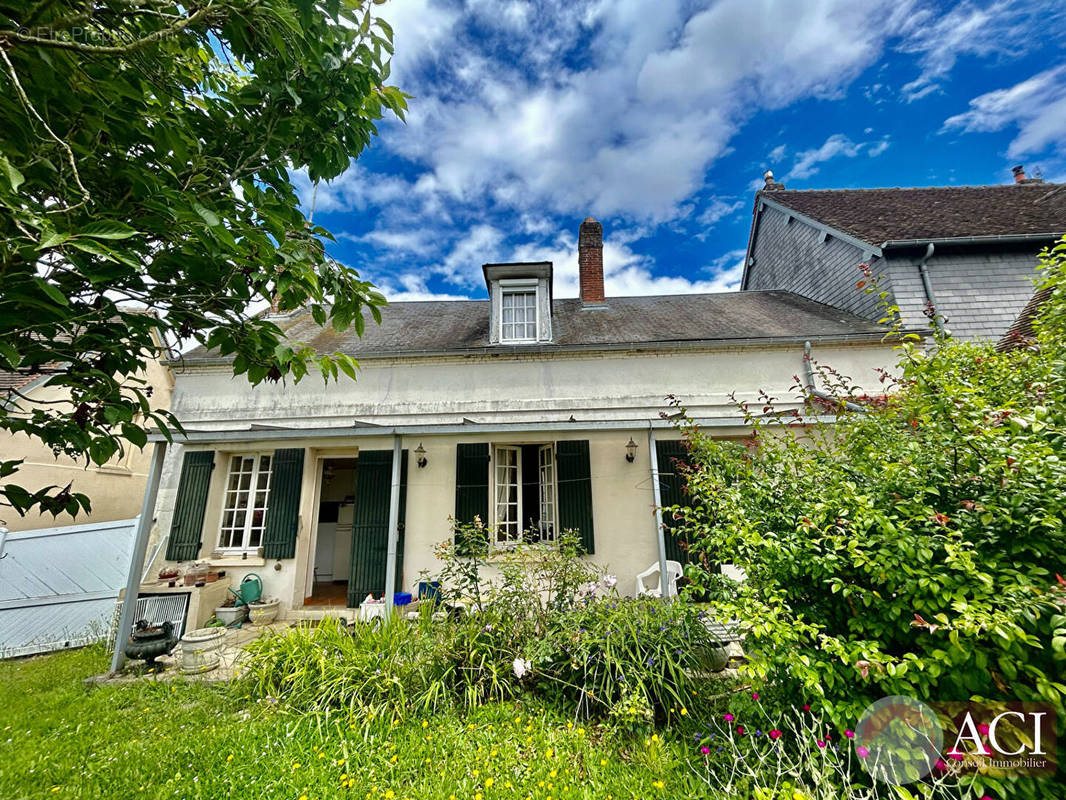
[(462, 325), (877, 216)]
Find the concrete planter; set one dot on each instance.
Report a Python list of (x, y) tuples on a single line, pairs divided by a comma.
[(264, 613), (201, 649), (231, 614)]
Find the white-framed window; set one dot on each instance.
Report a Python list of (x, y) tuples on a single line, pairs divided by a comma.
[(546, 489), (518, 315), (513, 521), (244, 506)]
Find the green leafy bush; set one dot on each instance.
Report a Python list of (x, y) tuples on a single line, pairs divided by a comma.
[(912, 549), (611, 656)]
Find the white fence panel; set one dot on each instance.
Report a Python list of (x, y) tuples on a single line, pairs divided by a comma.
[(58, 585)]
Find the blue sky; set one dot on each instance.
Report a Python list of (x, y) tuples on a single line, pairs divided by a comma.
[(659, 117)]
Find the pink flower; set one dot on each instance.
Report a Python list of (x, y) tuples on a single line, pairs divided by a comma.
[(705, 750), (754, 695), (740, 729), (727, 717), (983, 730), (806, 707), (955, 755), (850, 734), (821, 743), (775, 734), (862, 752), (940, 766)]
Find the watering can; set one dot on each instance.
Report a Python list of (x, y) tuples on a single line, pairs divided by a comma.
[(250, 590)]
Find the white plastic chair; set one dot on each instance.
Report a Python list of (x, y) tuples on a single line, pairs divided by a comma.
[(673, 572)]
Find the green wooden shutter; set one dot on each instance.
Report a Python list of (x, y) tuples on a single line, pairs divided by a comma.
[(472, 482), (574, 477), (672, 493), (283, 505), (188, 523), (370, 524)]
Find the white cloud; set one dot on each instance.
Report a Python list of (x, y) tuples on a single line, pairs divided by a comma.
[(411, 287), (718, 208), (836, 146), (659, 94), (777, 153), (1036, 106), (808, 161), (1005, 27)]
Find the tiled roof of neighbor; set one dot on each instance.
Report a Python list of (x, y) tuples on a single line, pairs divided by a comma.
[(463, 325), (14, 380), (943, 212), (1022, 331)]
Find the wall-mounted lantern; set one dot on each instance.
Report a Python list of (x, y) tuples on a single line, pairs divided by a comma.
[(420, 456), (631, 450)]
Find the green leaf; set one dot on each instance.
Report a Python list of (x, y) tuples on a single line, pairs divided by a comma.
[(208, 216), (107, 229), (52, 291), (14, 178)]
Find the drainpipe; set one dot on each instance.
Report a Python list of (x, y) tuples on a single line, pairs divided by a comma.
[(664, 584), (808, 371), (923, 270), (140, 545), (394, 524)]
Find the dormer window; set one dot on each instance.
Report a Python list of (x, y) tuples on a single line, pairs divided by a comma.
[(518, 306), (520, 301)]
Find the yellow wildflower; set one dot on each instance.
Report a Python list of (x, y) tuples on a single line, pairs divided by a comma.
[(488, 783), (684, 711), (603, 762), (229, 757), (425, 723), (390, 794), (657, 784)]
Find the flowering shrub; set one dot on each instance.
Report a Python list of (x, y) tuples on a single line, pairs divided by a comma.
[(796, 754), (911, 550)]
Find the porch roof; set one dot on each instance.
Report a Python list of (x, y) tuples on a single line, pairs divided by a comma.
[(359, 429)]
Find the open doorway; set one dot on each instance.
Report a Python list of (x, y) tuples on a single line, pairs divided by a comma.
[(333, 539)]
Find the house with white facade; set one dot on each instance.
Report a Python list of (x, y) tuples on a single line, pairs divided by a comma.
[(536, 413)]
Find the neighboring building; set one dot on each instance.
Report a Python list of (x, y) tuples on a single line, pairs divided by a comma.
[(970, 252), (115, 489), (530, 411)]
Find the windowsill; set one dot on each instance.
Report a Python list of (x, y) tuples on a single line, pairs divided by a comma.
[(235, 560), (112, 470)]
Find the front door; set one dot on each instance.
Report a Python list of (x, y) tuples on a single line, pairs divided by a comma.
[(370, 525)]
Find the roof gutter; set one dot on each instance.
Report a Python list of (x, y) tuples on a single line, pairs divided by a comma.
[(1013, 238)]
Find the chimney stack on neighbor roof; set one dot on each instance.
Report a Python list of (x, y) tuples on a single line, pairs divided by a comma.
[(768, 180), (590, 262), (1021, 177)]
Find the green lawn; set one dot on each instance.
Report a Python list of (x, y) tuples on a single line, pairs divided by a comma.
[(60, 737)]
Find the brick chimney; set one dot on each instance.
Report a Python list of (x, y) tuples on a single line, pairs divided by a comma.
[(590, 262), (1021, 177)]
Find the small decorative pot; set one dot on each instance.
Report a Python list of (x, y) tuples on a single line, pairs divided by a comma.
[(231, 614), (200, 649), (715, 658), (264, 613)]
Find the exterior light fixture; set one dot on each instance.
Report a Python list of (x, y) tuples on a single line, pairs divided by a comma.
[(420, 456), (631, 450)]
